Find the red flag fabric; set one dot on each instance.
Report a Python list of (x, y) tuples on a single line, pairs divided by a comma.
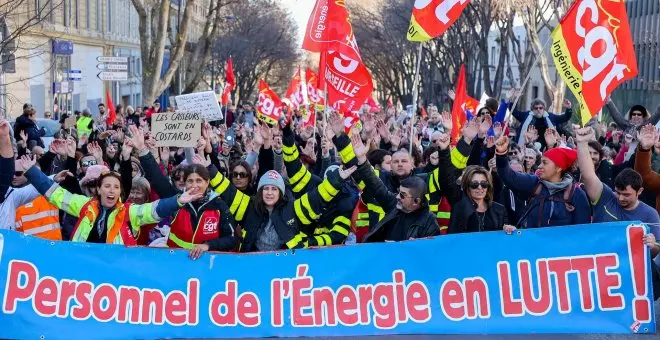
[(329, 28), (424, 114), (313, 92), (269, 106), (112, 114), (373, 106), (593, 51), (458, 109), (348, 81), (295, 97), (389, 102), (230, 82), (431, 18)]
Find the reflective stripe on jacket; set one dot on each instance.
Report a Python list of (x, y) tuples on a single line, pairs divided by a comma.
[(39, 218)]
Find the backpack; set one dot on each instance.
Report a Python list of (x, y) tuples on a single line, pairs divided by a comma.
[(566, 199)]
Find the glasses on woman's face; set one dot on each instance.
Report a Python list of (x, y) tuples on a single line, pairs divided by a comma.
[(513, 153), (475, 184), (239, 175)]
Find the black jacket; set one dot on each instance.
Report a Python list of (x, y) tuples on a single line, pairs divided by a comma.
[(23, 123), (464, 209), (418, 224)]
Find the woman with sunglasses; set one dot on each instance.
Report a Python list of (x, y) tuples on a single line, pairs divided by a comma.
[(473, 206), (241, 177), (103, 218)]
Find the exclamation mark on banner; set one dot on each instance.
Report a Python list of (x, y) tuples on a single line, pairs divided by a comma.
[(638, 255)]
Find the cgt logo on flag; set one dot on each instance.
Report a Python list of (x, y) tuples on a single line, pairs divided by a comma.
[(593, 51)]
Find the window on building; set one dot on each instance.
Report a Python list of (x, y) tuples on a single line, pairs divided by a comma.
[(535, 92), (109, 15), (75, 13), (37, 9), (66, 12), (98, 16)]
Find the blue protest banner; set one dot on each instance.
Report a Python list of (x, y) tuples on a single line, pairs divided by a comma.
[(578, 279)]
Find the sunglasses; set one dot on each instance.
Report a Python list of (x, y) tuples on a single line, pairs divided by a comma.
[(18, 173), (513, 153), (403, 195), (475, 185), (239, 175), (538, 108), (88, 162), (633, 114)]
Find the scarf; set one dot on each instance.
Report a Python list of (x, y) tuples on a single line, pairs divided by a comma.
[(528, 122), (555, 187)]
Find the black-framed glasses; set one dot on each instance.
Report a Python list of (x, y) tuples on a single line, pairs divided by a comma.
[(475, 184), (513, 153), (403, 195)]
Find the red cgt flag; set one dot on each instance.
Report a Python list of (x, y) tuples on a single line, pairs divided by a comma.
[(269, 106), (593, 52), (112, 114), (329, 28), (431, 18), (230, 82), (313, 92), (461, 103), (295, 96)]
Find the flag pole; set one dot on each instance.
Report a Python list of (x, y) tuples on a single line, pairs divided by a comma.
[(414, 95)]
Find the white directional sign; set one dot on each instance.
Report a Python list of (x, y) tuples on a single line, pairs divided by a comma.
[(114, 67), (113, 76), (123, 60)]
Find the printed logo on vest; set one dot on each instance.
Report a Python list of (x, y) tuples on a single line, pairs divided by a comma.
[(210, 225)]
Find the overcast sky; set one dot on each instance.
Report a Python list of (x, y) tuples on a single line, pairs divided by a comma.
[(300, 9)]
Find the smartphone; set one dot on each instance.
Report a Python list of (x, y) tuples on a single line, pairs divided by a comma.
[(229, 137)]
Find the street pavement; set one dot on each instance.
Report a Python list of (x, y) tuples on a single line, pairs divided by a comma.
[(655, 336)]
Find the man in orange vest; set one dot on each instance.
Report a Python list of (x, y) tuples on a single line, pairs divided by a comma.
[(39, 218)]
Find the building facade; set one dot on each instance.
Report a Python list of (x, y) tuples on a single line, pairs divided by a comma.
[(56, 61)]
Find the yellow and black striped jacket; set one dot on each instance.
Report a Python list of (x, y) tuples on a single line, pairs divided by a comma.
[(459, 158), (290, 216), (335, 223)]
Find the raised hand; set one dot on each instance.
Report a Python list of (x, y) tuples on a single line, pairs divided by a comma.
[(531, 135), (447, 121), (203, 161), (346, 173), (567, 104), (484, 125), (502, 145), (647, 136), (451, 94), (336, 123), (189, 195), (70, 146), (359, 148), (443, 141), (4, 128), (126, 149), (59, 147), (137, 136), (95, 150), (470, 130), (490, 142), (585, 135), (24, 136), (164, 154), (26, 162), (395, 139), (551, 137), (62, 175), (309, 148)]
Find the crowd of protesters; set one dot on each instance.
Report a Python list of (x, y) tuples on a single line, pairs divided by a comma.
[(248, 186)]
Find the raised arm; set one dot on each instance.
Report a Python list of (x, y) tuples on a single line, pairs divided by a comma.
[(447, 174), (647, 138), (655, 116), (238, 201), (616, 115), (522, 184), (152, 171), (300, 178), (7, 166), (592, 184)]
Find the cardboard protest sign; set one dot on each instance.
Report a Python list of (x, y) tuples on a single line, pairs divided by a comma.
[(69, 122), (180, 129), (204, 103)]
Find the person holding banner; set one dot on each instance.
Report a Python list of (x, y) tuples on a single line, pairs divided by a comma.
[(554, 198), (104, 218), (473, 208)]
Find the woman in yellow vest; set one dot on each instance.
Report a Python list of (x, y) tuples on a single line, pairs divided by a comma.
[(104, 218)]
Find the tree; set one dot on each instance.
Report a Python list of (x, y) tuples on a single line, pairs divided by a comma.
[(18, 17), (263, 45)]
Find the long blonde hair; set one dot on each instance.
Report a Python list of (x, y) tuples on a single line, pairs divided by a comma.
[(466, 179)]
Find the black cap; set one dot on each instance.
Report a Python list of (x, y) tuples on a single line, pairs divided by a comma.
[(27, 106)]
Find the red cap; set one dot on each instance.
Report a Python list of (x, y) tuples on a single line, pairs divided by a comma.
[(562, 157)]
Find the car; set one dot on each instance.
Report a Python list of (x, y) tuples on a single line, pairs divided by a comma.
[(51, 127)]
